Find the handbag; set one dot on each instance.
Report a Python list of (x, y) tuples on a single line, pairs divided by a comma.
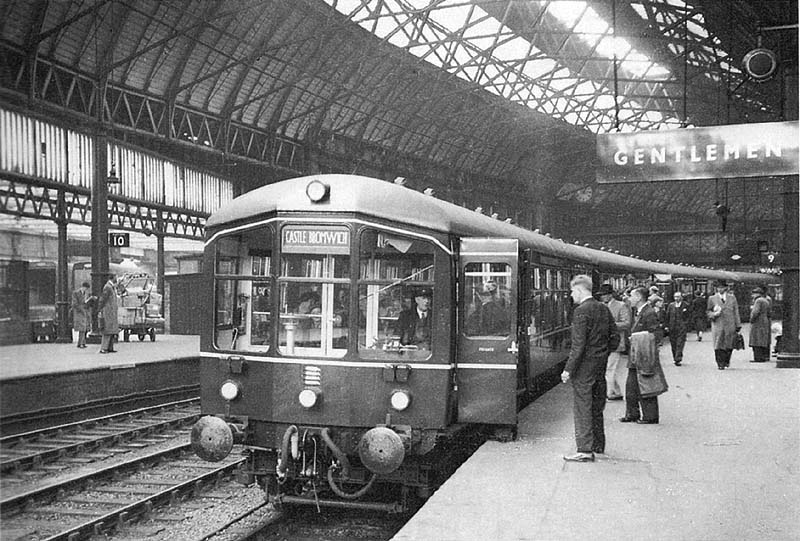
[(738, 341)]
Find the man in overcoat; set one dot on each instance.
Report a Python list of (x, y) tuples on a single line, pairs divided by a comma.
[(107, 315), (677, 322), (760, 326), (81, 320), (593, 335), (723, 311)]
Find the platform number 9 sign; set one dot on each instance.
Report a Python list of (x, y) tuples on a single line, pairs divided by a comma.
[(119, 240), (771, 257)]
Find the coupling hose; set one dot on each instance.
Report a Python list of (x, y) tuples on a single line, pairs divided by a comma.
[(345, 464), (284, 463)]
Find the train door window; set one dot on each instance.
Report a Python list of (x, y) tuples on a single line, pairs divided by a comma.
[(314, 291), (487, 300), (395, 297), (242, 298)]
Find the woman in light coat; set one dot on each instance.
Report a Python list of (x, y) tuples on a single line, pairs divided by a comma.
[(108, 307), (723, 311)]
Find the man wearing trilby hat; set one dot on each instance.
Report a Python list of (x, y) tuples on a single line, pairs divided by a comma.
[(760, 330), (723, 311)]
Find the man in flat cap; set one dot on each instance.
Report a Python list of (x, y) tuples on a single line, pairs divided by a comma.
[(414, 324), (723, 311), (760, 326)]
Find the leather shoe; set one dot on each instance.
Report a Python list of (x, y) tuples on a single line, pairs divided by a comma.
[(628, 420), (580, 457), (647, 421), (614, 398), (678, 364)]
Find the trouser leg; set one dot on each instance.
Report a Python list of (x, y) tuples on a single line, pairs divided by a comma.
[(598, 405), (760, 354), (719, 356), (728, 353), (613, 386), (650, 408), (104, 342), (632, 395), (677, 351), (582, 413)]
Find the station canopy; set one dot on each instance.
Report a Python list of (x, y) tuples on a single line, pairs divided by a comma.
[(502, 89)]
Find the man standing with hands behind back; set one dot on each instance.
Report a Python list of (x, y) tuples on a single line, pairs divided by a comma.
[(594, 334)]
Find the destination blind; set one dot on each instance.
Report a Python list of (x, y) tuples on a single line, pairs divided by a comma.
[(315, 240)]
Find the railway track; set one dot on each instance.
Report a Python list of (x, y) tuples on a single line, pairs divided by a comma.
[(111, 434), (105, 499)]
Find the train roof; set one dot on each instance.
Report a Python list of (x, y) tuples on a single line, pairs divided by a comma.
[(386, 200)]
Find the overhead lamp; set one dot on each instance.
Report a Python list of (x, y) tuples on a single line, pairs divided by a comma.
[(112, 175), (400, 181), (760, 63), (736, 257), (428, 191)]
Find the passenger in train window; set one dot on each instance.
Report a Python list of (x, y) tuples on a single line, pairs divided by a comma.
[(489, 317), (677, 322), (723, 311), (593, 333), (760, 326), (616, 371), (414, 324), (699, 302), (641, 404)]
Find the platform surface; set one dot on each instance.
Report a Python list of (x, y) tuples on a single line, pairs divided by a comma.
[(46, 358), (723, 464)]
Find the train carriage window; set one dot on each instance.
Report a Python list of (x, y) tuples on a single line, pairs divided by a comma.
[(314, 291), (487, 300), (242, 298), (395, 297)]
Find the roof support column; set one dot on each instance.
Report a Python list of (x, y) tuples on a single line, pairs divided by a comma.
[(63, 332), (789, 355), (99, 225)]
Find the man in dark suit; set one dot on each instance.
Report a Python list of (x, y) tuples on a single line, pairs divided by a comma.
[(677, 321), (414, 324), (593, 335), (644, 320)]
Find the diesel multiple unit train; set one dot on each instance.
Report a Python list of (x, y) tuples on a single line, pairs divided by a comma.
[(345, 344)]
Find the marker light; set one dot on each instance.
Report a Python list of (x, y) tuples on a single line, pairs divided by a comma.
[(229, 390), (307, 398), (317, 191), (400, 400)]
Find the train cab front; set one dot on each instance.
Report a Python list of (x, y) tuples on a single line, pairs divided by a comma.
[(327, 354)]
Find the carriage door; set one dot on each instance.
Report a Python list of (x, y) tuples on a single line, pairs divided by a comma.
[(487, 360)]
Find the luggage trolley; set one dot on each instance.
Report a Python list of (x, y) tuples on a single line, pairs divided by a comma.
[(139, 312)]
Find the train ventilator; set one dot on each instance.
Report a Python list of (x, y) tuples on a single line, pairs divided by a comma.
[(360, 333)]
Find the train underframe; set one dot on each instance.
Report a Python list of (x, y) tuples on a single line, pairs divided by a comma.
[(340, 468)]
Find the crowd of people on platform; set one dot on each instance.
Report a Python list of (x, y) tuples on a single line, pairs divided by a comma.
[(615, 341)]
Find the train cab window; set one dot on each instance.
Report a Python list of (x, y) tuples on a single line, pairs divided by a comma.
[(395, 297), (314, 291), (487, 300), (242, 299)]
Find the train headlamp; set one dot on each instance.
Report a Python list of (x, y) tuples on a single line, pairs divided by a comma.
[(229, 390), (400, 400), (308, 398), (317, 191)]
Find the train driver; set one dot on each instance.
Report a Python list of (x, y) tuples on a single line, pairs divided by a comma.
[(414, 324)]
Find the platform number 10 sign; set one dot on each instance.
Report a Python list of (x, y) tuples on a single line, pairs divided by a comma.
[(119, 240)]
